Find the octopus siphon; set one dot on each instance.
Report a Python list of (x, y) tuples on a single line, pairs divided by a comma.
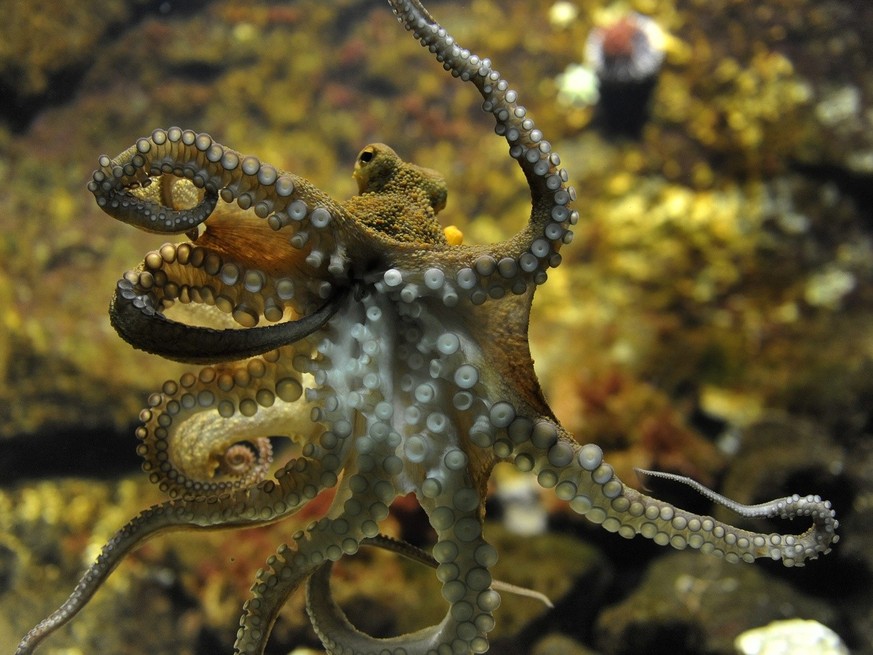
[(395, 357)]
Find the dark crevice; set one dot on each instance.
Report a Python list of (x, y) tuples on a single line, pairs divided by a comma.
[(18, 111), (201, 72), (99, 453), (857, 186)]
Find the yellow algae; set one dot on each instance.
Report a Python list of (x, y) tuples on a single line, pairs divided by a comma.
[(709, 128), (620, 184)]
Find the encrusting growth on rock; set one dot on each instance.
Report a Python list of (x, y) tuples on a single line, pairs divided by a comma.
[(394, 356)]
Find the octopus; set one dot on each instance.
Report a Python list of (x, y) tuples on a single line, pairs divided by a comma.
[(394, 356)]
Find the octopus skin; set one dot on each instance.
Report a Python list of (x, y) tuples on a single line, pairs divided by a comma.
[(394, 357)]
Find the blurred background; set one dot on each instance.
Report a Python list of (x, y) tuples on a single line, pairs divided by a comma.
[(713, 316)]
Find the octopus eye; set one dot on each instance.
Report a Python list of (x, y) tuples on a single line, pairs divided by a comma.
[(366, 156)]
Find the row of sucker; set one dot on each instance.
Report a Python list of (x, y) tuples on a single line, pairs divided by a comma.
[(463, 561), (528, 258), (173, 180), (407, 441), (486, 278), (189, 274), (219, 171), (578, 474), (207, 434), (419, 433), (327, 539), (293, 485)]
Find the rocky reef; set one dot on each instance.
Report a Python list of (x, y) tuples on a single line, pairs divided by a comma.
[(713, 316)]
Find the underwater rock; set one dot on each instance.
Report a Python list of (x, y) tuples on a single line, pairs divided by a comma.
[(859, 519), (44, 42), (689, 274), (699, 605), (795, 636), (558, 644), (776, 451), (858, 530)]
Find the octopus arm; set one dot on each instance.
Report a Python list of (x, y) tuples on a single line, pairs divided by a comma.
[(141, 185), (536, 442), (579, 475), (208, 434), (524, 259), (463, 560), (204, 441), (142, 327), (360, 502), (329, 620), (295, 484), (336, 631)]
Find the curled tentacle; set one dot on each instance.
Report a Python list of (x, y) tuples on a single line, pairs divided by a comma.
[(245, 460), (207, 433), (175, 180), (817, 539), (339, 635), (188, 430), (122, 186), (219, 280)]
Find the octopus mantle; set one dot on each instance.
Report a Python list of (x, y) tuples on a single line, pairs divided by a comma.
[(393, 356)]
